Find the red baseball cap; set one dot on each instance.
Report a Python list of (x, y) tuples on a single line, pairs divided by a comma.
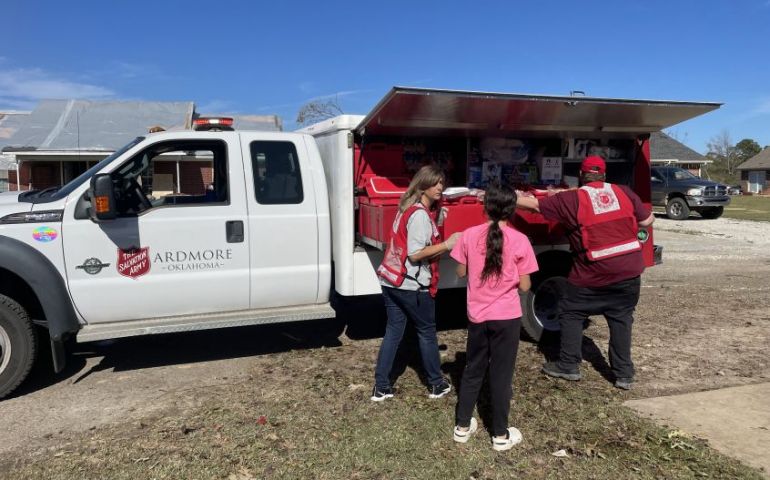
[(593, 164)]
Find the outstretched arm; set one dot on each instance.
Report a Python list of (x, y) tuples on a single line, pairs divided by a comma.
[(647, 221), (527, 203)]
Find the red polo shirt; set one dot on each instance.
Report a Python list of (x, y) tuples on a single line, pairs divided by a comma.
[(563, 207)]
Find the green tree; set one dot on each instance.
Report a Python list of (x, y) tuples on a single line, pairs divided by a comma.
[(746, 149)]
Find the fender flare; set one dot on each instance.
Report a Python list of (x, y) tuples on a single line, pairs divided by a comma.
[(45, 281)]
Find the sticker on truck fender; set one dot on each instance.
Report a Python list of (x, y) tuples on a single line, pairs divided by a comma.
[(45, 234), (134, 263)]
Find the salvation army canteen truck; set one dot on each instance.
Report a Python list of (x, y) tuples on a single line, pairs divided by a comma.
[(279, 223)]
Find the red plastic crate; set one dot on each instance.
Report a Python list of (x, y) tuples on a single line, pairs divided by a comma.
[(462, 213)]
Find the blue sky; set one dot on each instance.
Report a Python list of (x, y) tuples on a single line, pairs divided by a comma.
[(259, 57)]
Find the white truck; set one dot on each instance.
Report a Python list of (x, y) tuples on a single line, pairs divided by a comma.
[(286, 221)]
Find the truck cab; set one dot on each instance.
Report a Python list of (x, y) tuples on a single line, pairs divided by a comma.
[(122, 250)]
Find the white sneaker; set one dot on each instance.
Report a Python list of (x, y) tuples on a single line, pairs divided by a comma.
[(502, 444), (462, 436)]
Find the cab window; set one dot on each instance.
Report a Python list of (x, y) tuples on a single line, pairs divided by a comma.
[(277, 178), (177, 173)]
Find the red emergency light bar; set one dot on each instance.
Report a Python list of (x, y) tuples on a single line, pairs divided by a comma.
[(209, 123)]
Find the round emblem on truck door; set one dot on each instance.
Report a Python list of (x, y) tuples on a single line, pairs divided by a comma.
[(92, 266)]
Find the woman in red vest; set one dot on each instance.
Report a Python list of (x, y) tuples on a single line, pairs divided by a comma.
[(409, 278)]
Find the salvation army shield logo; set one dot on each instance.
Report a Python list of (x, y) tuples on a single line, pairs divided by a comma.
[(134, 262)]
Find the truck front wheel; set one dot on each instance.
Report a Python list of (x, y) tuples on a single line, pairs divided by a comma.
[(677, 209), (18, 345)]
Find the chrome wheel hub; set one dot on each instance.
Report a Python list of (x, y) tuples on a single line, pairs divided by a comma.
[(5, 350)]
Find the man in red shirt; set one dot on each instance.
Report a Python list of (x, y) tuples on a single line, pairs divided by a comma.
[(602, 220)]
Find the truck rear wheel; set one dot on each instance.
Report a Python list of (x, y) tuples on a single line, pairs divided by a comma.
[(712, 212), (540, 306), (18, 345), (677, 209)]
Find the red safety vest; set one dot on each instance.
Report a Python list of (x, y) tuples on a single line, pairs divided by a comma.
[(393, 266), (608, 225)]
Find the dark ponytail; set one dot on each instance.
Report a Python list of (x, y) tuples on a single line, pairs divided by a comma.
[(499, 204)]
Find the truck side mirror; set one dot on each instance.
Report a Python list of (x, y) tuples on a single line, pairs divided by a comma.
[(102, 195)]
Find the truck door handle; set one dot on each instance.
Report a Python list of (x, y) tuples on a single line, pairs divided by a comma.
[(234, 230)]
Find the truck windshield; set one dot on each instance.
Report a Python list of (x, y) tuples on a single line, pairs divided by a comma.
[(681, 174), (55, 193)]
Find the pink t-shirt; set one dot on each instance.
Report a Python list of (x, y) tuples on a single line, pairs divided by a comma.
[(498, 297)]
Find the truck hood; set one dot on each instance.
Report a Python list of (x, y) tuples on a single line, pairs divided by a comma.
[(9, 203), (694, 183), (9, 197)]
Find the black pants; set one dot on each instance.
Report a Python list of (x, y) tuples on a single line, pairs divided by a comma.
[(492, 346), (617, 303)]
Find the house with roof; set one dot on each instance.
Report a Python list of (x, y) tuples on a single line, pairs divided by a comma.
[(665, 150), (60, 139), (10, 121), (755, 173)]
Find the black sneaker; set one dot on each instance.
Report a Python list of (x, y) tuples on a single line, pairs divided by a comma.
[(438, 391), (552, 369), (380, 394), (624, 383)]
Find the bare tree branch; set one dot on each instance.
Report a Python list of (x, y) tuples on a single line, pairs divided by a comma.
[(318, 110)]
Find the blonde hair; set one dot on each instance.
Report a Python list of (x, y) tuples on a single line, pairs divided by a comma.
[(426, 177)]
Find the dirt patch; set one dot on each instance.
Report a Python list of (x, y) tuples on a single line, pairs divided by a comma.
[(166, 406)]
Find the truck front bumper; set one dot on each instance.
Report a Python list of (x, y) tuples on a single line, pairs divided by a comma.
[(699, 201)]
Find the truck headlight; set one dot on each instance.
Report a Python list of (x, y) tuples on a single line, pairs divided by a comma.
[(695, 192), (33, 217)]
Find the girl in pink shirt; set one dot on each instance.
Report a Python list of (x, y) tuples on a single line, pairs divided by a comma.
[(497, 260)]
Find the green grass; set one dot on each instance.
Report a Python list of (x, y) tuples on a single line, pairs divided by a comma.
[(749, 207), (306, 414)]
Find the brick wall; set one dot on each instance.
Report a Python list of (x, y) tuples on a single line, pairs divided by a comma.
[(195, 177), (35, 175)]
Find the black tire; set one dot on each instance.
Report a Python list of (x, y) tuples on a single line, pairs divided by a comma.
[(712, 212), (677, 209), (18, 345), (539, 306)]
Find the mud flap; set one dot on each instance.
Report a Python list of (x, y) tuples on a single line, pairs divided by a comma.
[(59, 355), (657, 254)]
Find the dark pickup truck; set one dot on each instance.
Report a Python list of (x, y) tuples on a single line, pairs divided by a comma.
[(682, 192)]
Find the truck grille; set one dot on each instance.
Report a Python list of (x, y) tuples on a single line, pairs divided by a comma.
[(718, 191)]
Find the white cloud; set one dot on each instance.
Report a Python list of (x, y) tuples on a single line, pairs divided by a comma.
[(343, 93), (32, 84), (16, 104)]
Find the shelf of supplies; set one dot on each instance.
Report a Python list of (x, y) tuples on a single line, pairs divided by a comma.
[(580, 160)]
